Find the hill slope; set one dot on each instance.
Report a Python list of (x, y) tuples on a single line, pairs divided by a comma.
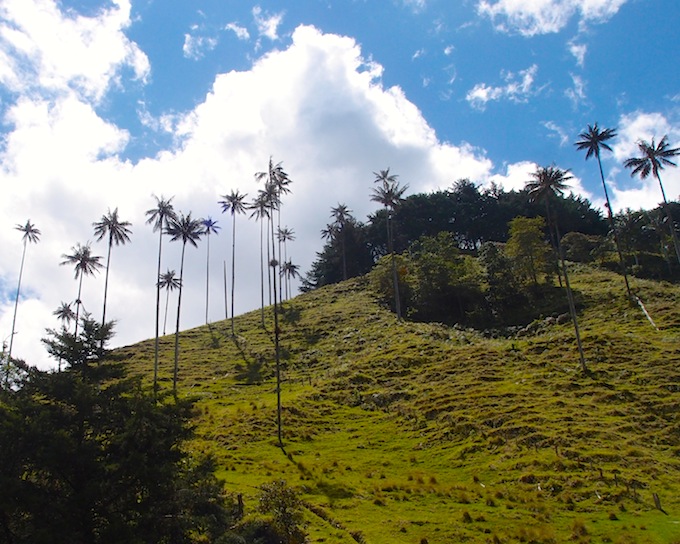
[(411, 432)]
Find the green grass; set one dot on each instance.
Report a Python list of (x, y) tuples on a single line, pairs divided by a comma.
[(409, 433)]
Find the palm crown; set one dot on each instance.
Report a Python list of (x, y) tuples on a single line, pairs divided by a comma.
[(547, 181), (117, 231), (654, 158), (31, 233), (593, 139)]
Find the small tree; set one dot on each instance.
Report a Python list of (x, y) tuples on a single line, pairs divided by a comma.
[(527, 248), (285, 507)]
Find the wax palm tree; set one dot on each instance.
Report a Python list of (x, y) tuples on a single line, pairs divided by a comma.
[(389, 193), (654, 158), (65, 314), (30, 235), (592, 141), (158, 217), (276, 184), (85, 264), (117, 232), (169, 282), (260, 208), (209, 227), (547, 183), (289, 271), (234, 203), (285, 235), (188, 230), (341, 214)]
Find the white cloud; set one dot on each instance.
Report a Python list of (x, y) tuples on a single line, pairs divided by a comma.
[(515, 177), (518, 88), (559, 132), (330, 121), (240, 31), (577, 93), (633, 192), (532, 17), (43, 48), (195, 45), (578, 50), (267, 25)]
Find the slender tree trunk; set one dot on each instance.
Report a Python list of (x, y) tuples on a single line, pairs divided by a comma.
[(671, 224), (167, 300), (226, 312), (570, 299), (395, 275), (262, 271), (106, 290), (158, 311), (78, 303), (207, 277), (344, 254), (276, 347), (16, 305), (179, 306), (612, 225), (233, 268)]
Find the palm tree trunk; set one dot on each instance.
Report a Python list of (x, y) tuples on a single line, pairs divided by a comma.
[(167, 299), (106, 289), (158, 311), (16, 305), (233, 268), (570, 300), (226, 311), (207, 277), (395, 276), (277, 350), (78, 303), (262, 271), (612, 225), (671, 224), (179, 306)]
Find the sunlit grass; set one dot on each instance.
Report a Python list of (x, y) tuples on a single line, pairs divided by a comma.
[(411, 432)]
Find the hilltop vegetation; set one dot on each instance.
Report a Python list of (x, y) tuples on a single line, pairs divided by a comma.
[(396, 431)]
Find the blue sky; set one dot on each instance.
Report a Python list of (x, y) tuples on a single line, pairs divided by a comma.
[(105, 103)]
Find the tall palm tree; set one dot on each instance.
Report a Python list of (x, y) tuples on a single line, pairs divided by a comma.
[(31, 235), (169, 282), (65, 314), (233, 203), (285, 235), (188, 230), (209, 226), (390, 193), (654, 158), (276, 184), (260, 212), (341, 214), (158, 217), (85, 264), (548, 183), (118, 232), (592, 140), (289, 271)]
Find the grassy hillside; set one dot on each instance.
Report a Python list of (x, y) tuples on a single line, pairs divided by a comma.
[(418, 433)]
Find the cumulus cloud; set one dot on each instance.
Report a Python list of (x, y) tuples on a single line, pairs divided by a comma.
[(331, 121), (633, 192), (518, 88), (47, 49), (532, 17)]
